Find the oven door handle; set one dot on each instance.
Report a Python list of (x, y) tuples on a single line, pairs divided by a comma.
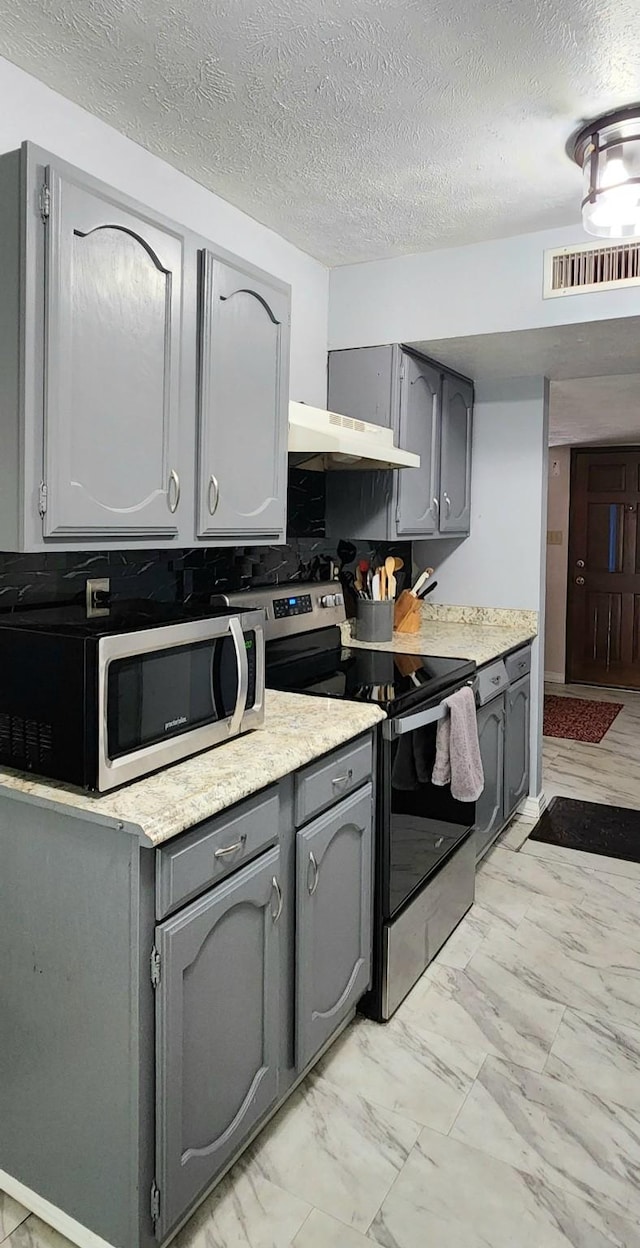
[(235, 722), (393, 728)]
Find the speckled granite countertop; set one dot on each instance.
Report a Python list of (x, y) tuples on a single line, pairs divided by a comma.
[(477, 633), (297, 730)]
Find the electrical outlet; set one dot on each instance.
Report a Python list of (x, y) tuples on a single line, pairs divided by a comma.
[(97, 596)]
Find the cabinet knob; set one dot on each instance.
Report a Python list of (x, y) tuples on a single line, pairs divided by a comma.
[(173, 491), (213, 497)]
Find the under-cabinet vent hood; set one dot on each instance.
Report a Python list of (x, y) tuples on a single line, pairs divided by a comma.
[(321, 440)]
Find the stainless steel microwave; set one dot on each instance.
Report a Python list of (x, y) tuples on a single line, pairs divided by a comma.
[(97, 703)]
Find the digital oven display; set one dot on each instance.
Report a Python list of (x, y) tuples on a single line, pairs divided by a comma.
[(284, 607)]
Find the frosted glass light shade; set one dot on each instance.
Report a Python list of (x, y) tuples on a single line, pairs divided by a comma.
[(608, 151)]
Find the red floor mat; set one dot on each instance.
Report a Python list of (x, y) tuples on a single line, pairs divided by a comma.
[(579, 719)]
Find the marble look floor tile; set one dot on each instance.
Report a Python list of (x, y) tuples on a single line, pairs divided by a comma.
[(559, 855), (532, 878), (11, 1215), (36, 1234), (516, 834), (591, 933), (334, 1150), (565, 1136), (404, 1067), (321, 1231), (452, 1196), (245, 1211), (494, 1015), (594, 1052), (536, 962), (468, 937)]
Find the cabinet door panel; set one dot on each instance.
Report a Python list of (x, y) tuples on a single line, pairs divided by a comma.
[(489, 807), (244, 396), (455, 456), (112, 369), (217, 1030), (417, 500), (333, 906), (516, 770)]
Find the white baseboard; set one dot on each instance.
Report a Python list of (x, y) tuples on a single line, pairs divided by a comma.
[(555, 678), (532, 807), (60, 1221)]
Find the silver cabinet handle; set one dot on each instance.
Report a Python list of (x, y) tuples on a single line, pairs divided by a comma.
[(436, 507), (230, 849), (279, 901), (213, 495), (242, 667), (343, 779), (438, 843), (495, 680), (314, 867), (447, 503), (174, 480)]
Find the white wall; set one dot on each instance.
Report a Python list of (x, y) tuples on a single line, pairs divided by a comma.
[(30, 110), (502, 563), (480, 289)]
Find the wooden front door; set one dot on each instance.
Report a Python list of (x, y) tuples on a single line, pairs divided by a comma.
[(603, 620)]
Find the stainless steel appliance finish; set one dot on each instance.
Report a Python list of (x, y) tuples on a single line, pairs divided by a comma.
[(425, 861)]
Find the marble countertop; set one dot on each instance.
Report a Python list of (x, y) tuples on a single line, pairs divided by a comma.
[(476, 633), (297, 730)]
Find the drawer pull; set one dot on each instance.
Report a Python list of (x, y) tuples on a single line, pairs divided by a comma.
[(314, 867), (279, 902), (343, 779), (495, 680), (230, 849), (522, 663), (438, 842)]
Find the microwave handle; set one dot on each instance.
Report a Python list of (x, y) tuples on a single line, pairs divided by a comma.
[(235, 628)]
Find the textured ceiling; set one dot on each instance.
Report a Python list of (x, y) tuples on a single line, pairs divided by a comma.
[(356, 128), (595, 410)]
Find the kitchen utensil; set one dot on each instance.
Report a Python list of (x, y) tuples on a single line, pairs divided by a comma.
[(407, 616), (398, 563), (426, 590), (389, 565), (382, 573), (422, 579), (346, 551), (375, 587)]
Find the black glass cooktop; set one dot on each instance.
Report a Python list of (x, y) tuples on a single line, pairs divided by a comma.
[(393, 681)]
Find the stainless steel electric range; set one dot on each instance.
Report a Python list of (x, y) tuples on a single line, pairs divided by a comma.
[(425, 859)]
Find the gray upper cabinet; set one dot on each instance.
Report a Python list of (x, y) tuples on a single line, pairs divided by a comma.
[(244, 319), (333, 920), (419, 431), (489, 807), (455, 457), (217, 1029), (516, 765), (430, 411), (113, 293)]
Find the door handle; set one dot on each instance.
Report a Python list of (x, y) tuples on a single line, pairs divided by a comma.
[(213, 495), (436, 507), (230, 849), (279, 900), (343, 779), (314, 867), (242, 667), (579, 563), (579, 580), (447, 503), (174, 481)]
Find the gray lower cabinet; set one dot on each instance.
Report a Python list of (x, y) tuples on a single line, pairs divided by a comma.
[(430, 411), (516, 764), (490, 804), (217, 1029), (333, 920), (243, 401)]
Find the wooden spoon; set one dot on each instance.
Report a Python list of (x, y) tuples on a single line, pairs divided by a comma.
[(390, 566), (398, 563)]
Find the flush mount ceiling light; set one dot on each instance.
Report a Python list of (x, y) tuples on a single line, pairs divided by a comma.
[(608, 152)]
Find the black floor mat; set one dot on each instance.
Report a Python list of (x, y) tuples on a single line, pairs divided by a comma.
[(596, 829)]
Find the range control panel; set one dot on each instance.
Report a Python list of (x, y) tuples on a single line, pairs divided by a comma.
[(294, 608)]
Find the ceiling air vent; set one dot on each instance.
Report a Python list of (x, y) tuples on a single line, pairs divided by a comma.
[(592, 266)]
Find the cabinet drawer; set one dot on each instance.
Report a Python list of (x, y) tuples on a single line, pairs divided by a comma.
[(491, 681), (326, 781), (212, 850), (518, 664)]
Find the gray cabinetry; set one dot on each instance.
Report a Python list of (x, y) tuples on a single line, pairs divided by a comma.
[(455, 455), (430, 411), (113, 297), (243, 401), (333, 920), (217, 1029), (516, 782), (489, 807)]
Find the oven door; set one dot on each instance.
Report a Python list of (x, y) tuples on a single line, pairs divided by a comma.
[(421, 823), (166, 693)]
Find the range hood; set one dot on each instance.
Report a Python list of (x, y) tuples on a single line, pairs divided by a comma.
[(321, 440)]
